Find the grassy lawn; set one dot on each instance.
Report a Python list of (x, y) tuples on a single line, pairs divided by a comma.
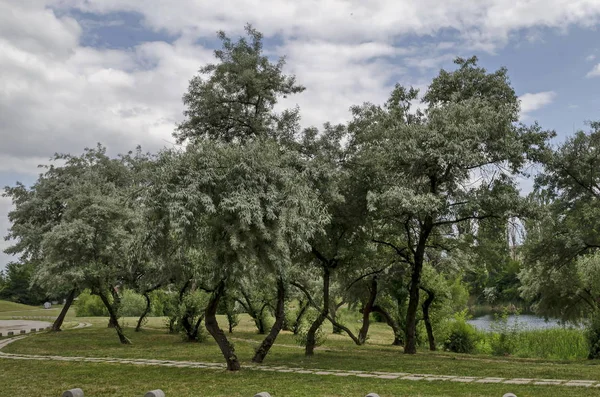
[(156, 344), (16, 307), (49, 379), (40, 378)]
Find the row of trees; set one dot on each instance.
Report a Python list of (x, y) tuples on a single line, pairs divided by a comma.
[(383, 213)]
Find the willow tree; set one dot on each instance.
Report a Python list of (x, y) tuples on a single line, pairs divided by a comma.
[(561, 264), (36, 210), (343, 245), (454, 161), (241, 209), (77, 223), (233, 100), (256, 207)]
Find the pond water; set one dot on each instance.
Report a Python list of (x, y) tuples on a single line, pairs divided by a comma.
[(526, 321)]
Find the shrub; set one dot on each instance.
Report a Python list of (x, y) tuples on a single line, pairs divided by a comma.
[(505, 337), (462, 337), (88, 305), (161, 303), (593, 338), (132, 304), (320, 335)]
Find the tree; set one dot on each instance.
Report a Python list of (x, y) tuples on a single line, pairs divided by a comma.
[(562, 242), (233, 101), (238, 142), (36, 210), (18, 286), (342, 244), (238, 207), (426, 163), (254, 296), (84, 226)]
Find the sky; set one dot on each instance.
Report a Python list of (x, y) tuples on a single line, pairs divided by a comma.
[(77, 72)]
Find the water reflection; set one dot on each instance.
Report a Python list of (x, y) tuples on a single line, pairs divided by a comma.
[(526, 321)]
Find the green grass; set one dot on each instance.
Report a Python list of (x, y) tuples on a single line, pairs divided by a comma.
[(48, 379), (102, 342), (41, 378), (6, 306), (554, 343)]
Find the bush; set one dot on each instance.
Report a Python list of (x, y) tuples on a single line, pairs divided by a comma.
[(162, 303), (505, 337), (463, 337), (320, 335), (88, 305), (593, 338), (132, 304)]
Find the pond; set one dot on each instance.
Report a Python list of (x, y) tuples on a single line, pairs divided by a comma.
[(526, 321)]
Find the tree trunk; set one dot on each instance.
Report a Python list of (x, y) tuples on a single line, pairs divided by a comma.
[(254, 312), (301, 312), (333, 313), (310, 336), (366, 311), (398, 333), (410, 346), (138, 327), (114, 320), (262, 326), (230, 321), (426, 319), (187, 326), (196, 333), (268, 342), (217, 333), (415, 284), (186, 318), (63, 313)]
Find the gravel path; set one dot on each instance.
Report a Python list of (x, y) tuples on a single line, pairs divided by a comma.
[(319, 372)]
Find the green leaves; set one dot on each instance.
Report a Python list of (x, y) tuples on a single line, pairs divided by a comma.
[(562, 242), (241, 202), (233, 100)]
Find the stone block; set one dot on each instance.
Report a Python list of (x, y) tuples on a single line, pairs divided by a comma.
[(262, 394), (33, 330), (73, 393), (155, 393), (10, 333), (23, 331)]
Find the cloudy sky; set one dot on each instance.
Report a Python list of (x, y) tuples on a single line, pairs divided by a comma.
[(77, 72)]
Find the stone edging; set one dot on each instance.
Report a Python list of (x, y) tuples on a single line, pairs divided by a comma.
[(23, 331)]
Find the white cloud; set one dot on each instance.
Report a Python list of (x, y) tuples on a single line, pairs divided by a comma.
[(59, 96), (590, 57), (595, 72), (338, 76), (484, 24), (533, 102), (50, 104)]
